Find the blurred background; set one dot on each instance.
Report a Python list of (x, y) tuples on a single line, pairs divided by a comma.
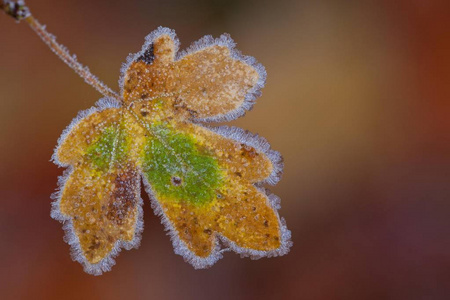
[(357, 101)]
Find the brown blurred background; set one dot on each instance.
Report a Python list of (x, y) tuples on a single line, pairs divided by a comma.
[(357, 101)]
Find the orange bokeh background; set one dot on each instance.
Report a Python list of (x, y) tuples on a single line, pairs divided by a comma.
[(357, 101)]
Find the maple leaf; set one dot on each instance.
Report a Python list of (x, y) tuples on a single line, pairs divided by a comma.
[(204, 182)]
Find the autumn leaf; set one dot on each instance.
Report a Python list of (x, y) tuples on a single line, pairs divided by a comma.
[(206, 183)]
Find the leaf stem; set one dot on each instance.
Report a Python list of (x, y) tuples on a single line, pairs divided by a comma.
[(19, 11)]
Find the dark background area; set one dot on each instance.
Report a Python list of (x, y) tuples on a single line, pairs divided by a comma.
[(357, 101)]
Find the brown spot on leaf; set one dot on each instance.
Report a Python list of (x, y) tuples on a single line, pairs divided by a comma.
[(95, 243), (176, 181), (123, 200), (248, 151), (110, 239)]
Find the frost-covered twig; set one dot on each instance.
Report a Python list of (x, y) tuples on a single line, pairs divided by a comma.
[(19, 11)]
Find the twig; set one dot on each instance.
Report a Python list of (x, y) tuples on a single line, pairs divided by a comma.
[(19, 11)]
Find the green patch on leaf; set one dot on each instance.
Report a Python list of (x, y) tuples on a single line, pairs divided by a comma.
[(110, 147), (175, 168)]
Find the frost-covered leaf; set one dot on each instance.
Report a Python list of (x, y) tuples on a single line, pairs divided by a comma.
[(204, 182)]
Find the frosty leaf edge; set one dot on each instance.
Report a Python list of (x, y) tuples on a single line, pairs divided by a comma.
[(205, 42)]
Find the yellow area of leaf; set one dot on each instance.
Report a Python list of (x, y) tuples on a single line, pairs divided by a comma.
[(101, 199), (240, 212), (74, 146), (103, 207)]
